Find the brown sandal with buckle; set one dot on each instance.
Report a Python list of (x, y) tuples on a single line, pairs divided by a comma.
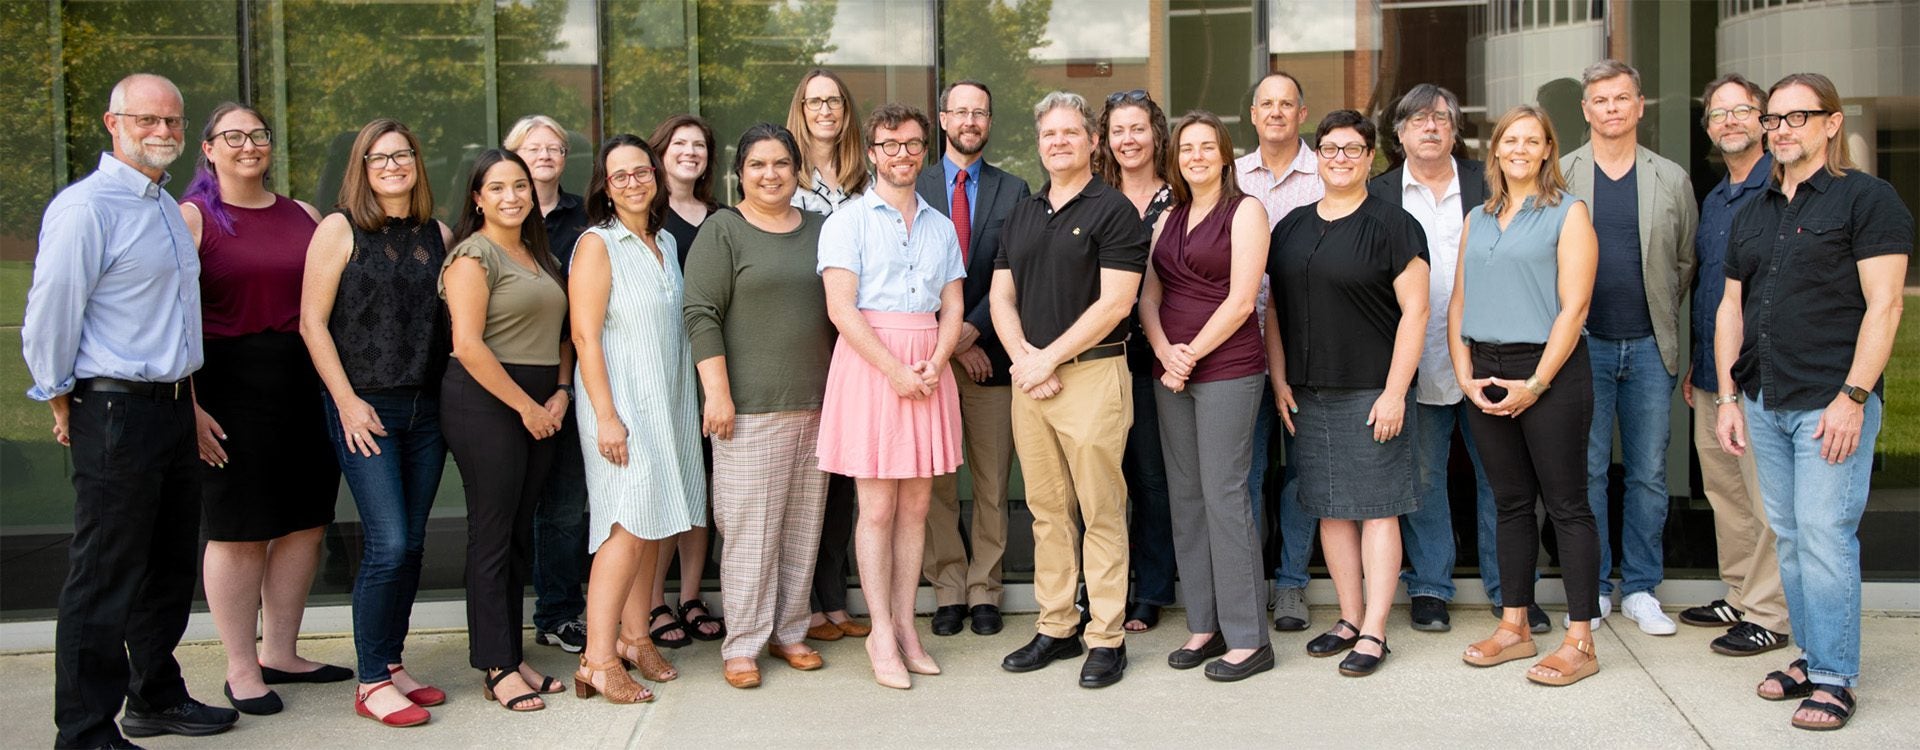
[(610, 679), (641, 655), (1569, 674), (1491, 652)]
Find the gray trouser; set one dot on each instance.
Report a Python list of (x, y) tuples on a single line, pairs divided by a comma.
[(1206, 433)]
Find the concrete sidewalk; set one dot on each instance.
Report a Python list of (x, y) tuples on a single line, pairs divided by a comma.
[(1651, 692)]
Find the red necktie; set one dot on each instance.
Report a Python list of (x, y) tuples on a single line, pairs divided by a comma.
[(962, 216)]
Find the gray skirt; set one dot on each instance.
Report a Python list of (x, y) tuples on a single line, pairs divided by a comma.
[(1342, 472)]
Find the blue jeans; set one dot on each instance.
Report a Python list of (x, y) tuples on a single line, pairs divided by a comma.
[(1296, 529), (1633, 388), (394, 491), (1150, 531), (1428, 532), (1815, 507), (560, 535), (1257, 472)]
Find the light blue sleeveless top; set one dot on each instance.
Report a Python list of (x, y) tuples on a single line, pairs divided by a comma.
[(1512, 275)]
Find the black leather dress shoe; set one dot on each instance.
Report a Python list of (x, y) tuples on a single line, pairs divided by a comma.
[(190, 718), (1105, 666), (1041, 651), (946, 620), (264, 705), (986, 619), (1221, 670), (1188, 658), (1328, 644)]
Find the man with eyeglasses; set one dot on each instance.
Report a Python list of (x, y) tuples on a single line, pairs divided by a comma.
[(1755, 605), (112, 332), (1815, 270), (1284, 174), (1644, 215), (977, 197)]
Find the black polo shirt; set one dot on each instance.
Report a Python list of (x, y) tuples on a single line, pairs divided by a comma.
[(565, 223), (1333, 291), (1056, 256), (1797, 264)]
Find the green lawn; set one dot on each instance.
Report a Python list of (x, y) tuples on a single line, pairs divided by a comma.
[(1899, 442)]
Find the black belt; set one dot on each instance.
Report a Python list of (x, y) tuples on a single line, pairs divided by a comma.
[(173, 391), (1102, 351)]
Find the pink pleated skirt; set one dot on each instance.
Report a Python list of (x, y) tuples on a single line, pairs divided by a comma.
[(870, 432)]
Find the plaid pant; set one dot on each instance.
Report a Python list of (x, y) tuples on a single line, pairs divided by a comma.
[(768, 496)]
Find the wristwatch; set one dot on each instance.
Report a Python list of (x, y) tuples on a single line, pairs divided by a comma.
[(1536, 385), (1727, 399), (566, 388), (1859, 395)]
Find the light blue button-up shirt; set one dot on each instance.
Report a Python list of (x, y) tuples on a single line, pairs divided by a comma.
[(116, 286), (899, 271)]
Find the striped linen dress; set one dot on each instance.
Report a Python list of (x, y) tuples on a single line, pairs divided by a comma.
[(662, 489)]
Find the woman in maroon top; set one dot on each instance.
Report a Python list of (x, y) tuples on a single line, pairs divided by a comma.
[(268, 492), (1209, 250)]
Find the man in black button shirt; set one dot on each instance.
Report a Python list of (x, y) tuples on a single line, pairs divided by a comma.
[(1814, 276), (1064, 282)]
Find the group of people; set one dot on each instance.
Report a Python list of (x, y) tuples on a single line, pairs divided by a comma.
[(811, 365)]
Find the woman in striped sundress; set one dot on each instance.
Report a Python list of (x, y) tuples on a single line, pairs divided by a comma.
[(639, 427)]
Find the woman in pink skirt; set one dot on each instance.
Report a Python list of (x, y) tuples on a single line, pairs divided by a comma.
[(891, 418)]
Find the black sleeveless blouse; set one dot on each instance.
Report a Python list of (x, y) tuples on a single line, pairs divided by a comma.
[(388, 322)]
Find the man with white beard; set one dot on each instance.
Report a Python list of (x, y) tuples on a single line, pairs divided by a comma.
[(112, 332)]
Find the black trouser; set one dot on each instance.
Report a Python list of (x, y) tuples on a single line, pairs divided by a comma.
[(504, 470), (836, 534), (131, 564), (1543, 453)]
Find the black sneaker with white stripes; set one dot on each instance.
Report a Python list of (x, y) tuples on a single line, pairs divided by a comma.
[(571, 636), (1719, 614), (1747, 639)]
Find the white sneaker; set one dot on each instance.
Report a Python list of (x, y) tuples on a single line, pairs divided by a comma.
[(1644, 609), (1606, 608)]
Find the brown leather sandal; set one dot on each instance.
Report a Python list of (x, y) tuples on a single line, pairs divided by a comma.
[(641, 655), (609, 679), (1569, 673), (1492, 653)]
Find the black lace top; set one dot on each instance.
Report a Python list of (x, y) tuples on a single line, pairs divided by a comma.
[(388, 321)]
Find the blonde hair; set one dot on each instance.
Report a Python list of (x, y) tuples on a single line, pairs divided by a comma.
[(1838, 157), (517, 135), (1548, 184), (849, 153)]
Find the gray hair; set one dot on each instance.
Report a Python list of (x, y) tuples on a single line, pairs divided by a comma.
[(1064, 100), (117, 100), (1606, 69), (1424, 97), (517, 134)]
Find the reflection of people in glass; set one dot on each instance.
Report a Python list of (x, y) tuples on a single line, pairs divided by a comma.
[(1350, 289), (502, 398), (1209, 251), (257, 428), (1514, 328), (891, 416), (373, 324), (757, 320), (1132, 157), (685, 145), (638, 411), (833, 170), (559, 530)]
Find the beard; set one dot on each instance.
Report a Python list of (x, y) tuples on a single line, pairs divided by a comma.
[(953, 140), (1744, 141), (156, 156)]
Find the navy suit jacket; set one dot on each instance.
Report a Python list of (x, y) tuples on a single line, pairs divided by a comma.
[(996, 195)]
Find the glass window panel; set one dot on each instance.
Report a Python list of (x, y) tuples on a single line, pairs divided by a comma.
[(27, 157), (549, 52), (646, 71)]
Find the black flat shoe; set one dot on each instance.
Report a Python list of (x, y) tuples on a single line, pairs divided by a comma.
[(1041, 651), (1221, 670), (1147, 614), (1105, 666), (946, 620), (986, 619), (265, 705), (1328, 644), (1360, 665), (189, 718), (323, 673), (1188, 658)]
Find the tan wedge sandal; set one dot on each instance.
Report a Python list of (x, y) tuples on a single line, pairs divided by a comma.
[(609, 679), (1569, 673), (1491, 652)]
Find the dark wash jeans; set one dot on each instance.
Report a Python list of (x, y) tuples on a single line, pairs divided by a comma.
[(560, 535), (394, 492)]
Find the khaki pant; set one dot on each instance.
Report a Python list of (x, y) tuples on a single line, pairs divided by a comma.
[(1748, 563), (986, 420), (1070, 447)]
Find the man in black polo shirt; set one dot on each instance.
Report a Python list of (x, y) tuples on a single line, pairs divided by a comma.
[(1814, 275), (1064, 281)]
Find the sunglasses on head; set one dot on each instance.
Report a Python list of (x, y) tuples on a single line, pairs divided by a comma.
[(1136, 95)]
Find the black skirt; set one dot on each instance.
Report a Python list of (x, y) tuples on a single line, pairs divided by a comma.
[(281, 475)]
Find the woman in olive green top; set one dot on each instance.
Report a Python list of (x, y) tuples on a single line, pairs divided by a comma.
[(757, 319), (501, 399)]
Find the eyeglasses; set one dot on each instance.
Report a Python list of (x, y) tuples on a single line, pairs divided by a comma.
[(238, 138), (1420, 119), (1793, 119), (827, 103), (1352, 150), (1136, 95), (151, 121), (1742, 113), (401, 158), (914, 147), (969, 114), (544, 150), (630, 177)]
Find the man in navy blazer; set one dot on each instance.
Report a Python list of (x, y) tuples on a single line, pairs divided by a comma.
[(1439, 191), (964, 185)]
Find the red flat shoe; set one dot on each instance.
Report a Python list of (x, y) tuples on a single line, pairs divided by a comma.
[(425, 695), (411, 716)]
